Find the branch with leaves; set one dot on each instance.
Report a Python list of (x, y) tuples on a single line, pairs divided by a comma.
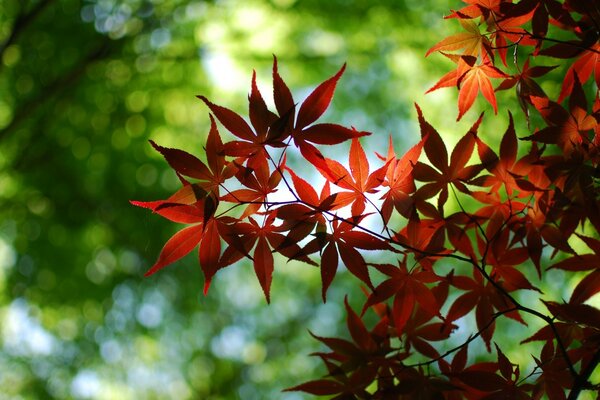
[(446, 261)]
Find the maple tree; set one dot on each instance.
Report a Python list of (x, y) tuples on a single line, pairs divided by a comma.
[(533, 206)]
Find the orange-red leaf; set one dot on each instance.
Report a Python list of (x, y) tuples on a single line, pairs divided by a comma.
[(209, 252), (176, 247), (475, 80), (471, 41)]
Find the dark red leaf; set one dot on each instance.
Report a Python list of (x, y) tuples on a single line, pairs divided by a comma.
[(183, 162), (263, 265), (321, 387), (317, 102), (586, 288), (358, 331), (284, 101), (329, 134), (230, 120)]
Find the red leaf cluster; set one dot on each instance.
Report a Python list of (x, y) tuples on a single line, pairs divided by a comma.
[(465, 231)]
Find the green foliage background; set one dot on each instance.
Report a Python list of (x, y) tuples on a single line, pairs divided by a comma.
[(83, 86)]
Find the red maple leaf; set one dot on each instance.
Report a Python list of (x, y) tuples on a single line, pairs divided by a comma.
[(507, 171), (471, 42), (453, 171), (259, 182), (570, 130), (471, 78), (408, 289), (358, 181), (343, 241), (399, 179)]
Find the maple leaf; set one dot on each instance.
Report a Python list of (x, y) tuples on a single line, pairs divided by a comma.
[(358, 181), (352, 364), (555, 377), (211, 176), (475, 80), (524, 84), (408, 289), (300, 219), (476, 8), (269, 128), (504, 258), (455, 171), (343, 242), (481, 378), (244, 236), (179, 245), (485, 298), (305, 133), (507, 171), (590, 284), (399, 180), (585, 50), (471, 78), (189, 205), (423, 238), (471, 42), (259, 183), (584, 314), (506, 27), (419, 331), (568, 129)]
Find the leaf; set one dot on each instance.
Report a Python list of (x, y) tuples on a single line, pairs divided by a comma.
[(482, 380), (475, 80), (587, 62), (303, 189), (404, 303), (583, 262), (177, 246), (578, 313), (183, 162), (317, 102), (358, 181), (260, 116), (359, 165), (504, 364), (263, 265), (328, 134), (471, 41), (214, 150), (355, 263), (456, 172), (284, 101), (230, 120), (209, 252), (358, 331), (586, 288), (321, 387), (399, 179)]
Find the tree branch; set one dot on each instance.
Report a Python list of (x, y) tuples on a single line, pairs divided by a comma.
[(581, 382)]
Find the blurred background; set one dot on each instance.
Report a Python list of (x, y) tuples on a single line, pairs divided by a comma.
[(83, 85)]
